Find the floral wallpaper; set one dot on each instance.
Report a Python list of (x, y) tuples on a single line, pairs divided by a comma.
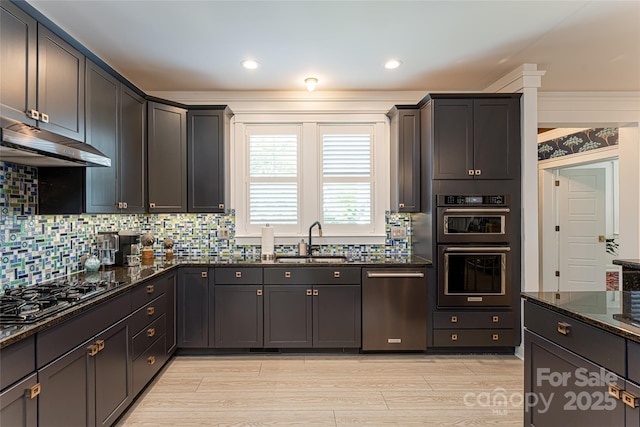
[(590, 139)]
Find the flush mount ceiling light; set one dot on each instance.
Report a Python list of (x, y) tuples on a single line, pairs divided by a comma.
[(311, 83), (250, 64), (392, 64)]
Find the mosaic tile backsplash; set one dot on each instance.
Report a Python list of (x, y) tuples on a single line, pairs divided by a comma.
[(38, 248)]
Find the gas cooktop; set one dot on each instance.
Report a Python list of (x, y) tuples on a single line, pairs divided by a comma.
[(33, 303)]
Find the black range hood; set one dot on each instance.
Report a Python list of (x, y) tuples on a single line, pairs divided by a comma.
[(27, 145)]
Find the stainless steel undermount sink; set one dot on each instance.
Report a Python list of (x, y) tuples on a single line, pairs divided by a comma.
[(319, 259)]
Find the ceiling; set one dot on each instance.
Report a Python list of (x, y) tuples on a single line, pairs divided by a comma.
[(444, 45)]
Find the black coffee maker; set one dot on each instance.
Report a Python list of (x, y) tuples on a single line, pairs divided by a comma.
[(129, 244)]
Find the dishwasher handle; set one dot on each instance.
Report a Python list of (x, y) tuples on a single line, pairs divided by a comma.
[(398, 275)]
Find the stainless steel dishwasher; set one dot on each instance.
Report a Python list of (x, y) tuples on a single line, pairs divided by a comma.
[(394, 309)]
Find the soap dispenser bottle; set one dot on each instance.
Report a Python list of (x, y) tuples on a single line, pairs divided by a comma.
[(302, 248)]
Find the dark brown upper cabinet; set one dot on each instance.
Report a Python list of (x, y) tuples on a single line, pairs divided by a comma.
[(405, 158)]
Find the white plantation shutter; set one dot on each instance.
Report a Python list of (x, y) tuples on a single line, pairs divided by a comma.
[(346, 178), (273, 179)]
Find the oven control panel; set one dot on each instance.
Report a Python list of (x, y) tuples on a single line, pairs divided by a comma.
[(476, 200)]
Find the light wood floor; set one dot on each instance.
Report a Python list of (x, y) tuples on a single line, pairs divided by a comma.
[(333, 390)]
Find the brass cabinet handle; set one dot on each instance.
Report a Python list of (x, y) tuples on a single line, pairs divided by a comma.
[(629, 399), (33, 391), (316, 292), (564, 328), (495, 337), (470, 171), (478, 172), (221, 206), (120, 205), (309, 292), (44, 118), (401, 205), (152, 205), (33, 114), (151, 310), (259, 292), (151, 360), (151, 332), (100, 344), (454, 337), (124, 205), (615, 391), (454, 319), (93, 350), (203, 274), (336, 274), (238, 274), (287, 274), (495, 319), (150, 289)]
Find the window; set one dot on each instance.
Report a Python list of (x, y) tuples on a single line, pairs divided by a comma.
[(295, 174)]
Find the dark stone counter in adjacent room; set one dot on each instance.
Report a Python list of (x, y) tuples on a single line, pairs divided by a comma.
[(630, 273)]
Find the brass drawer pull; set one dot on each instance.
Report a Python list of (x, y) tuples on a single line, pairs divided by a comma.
[(204, 274), (629, 399), (454, 337), (93, 350), (33, 391), (238, 274), (316, 292), (495, 337), (287, 274), (309, 292), (151, 332), (151, 310), (336, 274), (151, 360), (495, 319), (564, 328), (259, 292), (615, 391), (100, 344), (454, 319), (150, 289), (152, 205)]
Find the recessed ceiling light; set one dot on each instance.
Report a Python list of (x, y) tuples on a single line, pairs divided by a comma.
[(392, 64), (250, 64)]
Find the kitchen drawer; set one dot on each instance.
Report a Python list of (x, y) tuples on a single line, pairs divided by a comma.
[(146, 292), (238, 276), (17, 361), (148, 364), (56, 341), (601, 347), (633, 356), (474, 338), (473, 320), (312, 275), (143, 339), (148, 313)]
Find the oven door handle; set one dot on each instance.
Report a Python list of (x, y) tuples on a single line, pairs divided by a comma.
[(477, 249), (474, 210)]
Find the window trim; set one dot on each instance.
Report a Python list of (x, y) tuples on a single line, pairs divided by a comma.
[(310, 146)]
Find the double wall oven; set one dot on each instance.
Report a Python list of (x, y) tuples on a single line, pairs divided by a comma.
[(474, 252)]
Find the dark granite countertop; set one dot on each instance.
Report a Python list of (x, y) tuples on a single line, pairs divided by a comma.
[(628, 263), (617, 312), (134, 276)]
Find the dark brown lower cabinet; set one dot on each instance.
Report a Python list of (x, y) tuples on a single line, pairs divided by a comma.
[(323, 316), (238, 313), (17, 407), (193, 307), (91, 385)]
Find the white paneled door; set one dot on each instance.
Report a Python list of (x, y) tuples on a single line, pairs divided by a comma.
[(581, 239)]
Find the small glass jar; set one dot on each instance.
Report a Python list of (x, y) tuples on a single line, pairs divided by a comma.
[(92, 263)]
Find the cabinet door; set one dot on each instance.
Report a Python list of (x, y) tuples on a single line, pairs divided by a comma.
[(205, 151), (632, 412), (337, 316), (238, 316), (453, 138), (496, 136), (18, 56), (193, 308), (167, 158), (405, 159), (60, 85), (132, 155), (564, 389), (288, 316), (64, 399), (103, 92), (17, 407), (113, 377)]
